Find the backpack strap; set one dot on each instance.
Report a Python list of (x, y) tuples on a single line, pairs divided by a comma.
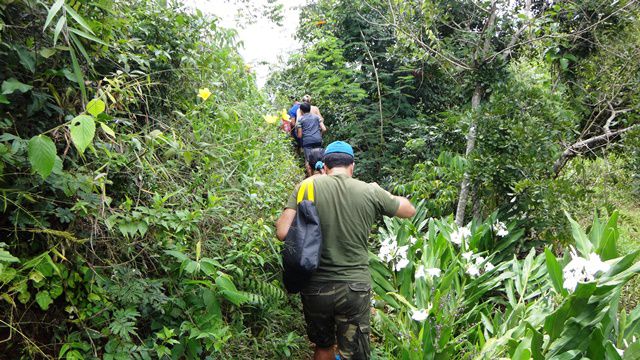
[(307, 186)]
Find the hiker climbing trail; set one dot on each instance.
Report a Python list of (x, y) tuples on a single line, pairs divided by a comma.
[(151, 152)]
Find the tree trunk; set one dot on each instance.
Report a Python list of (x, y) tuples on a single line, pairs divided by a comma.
[(471, 144)]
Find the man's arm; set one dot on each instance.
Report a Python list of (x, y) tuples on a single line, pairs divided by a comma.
[(284, 223), (299, 132), (323, 128), (316, 111), (406, 209)]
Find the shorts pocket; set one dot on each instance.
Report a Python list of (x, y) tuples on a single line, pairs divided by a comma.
[(360, 287)]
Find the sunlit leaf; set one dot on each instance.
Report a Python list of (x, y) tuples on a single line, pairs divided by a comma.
[(95, 107), (83, 129)]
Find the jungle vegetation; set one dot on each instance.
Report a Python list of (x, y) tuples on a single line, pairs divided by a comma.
[(142, 169)]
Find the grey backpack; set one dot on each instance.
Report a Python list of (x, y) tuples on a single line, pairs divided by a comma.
[(303, 243)]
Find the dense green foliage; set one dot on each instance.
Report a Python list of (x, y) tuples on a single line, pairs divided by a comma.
[(141, 172), (138, 224), (528, 309), (550, 78)]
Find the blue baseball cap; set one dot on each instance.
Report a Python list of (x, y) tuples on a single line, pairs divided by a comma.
[(339, 147)]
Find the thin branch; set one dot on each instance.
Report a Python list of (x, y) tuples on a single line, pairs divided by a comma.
[(375, 72), (588, 145)]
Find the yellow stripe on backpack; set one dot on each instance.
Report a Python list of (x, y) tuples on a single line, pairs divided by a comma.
[(307, 186)]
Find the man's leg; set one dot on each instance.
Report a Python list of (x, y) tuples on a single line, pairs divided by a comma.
[(353, 316), (324, 353), (318, 304)]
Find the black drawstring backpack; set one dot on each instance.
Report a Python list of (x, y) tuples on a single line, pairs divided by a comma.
[(303, 243)]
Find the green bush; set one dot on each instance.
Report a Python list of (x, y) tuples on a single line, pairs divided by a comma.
[(449, 292), (137, 224)]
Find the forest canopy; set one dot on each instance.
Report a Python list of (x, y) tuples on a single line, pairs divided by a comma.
[(142, 169)]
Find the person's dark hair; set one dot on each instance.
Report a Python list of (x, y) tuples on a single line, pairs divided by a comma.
[(337, 160), (315, 155), (305, 107)]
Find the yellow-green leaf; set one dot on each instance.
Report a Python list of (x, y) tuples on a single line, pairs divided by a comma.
[(83, 129), (96, 107), (109, 131)]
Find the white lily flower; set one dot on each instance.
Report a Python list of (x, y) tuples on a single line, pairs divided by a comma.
[(459, 235), (402, 251), (433, 272), (488, 266), (420, 315), (473, 270), (467, 255), (401, 264), (582, 270), (500, 229), (420, 272)]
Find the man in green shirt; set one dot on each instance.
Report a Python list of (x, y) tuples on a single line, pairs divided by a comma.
[(337, 300)]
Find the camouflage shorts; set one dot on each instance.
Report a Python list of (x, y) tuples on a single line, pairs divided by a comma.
[(339, 311)]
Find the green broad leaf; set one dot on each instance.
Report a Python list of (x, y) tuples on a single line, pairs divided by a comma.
[(58, 29), (623, 264), (632, 352), (42, 155), (224, 283), (564, 63), (79, 19), (229, 291), (36, 276), (209, 266), (47, 52), (554, 270), (4, 100), (53, 10), (12, 85), (43, 299), (192, 266), (569, 355), (177, 254), (55, 291), (24, 295), (537, 341), (6, 257), (522, 351), (583, 244), (83, 129), (234, 297), (87, 36), (26, 59), (7, 274), (95, 107), (554, 323)]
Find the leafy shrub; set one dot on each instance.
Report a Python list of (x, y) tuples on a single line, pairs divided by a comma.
[(444, 291), (137, 224)]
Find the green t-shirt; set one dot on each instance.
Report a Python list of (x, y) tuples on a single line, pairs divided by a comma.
[(347, 208)]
